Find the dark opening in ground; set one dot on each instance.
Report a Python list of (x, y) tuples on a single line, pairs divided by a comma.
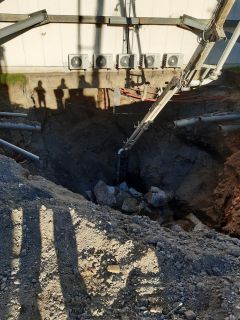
[(78, 147)]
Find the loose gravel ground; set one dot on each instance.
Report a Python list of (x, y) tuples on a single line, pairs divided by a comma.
[(62, 257)]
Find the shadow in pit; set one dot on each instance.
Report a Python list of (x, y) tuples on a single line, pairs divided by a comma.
[(6, 243), (77, 97), (59, 94), (82, 141), (19, 265), (22, 298), (29, 271), (72, 284)]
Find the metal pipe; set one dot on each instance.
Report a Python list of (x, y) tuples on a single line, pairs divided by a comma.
[(197, 83), (19, 150), (216, 72), (229, 128), (185, 122), (13, 114), (19, 126), (207, 118), (224, 116)]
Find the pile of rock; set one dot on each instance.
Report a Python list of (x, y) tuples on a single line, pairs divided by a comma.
[(127, 199)]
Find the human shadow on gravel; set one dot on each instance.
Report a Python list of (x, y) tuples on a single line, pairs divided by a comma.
[(20, 270), (6, 232), (72, 284), (29, 271)]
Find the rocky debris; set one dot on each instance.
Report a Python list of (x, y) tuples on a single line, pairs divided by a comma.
[(133, 192), (198, 226), (156, 310), (123, 186), (90, 195), (120, 197), (105, 194), (129, 200), (130, 205), (190, 315), (156, 197), (113, 269)]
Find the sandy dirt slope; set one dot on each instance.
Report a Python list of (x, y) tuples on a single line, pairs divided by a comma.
[(62, 257), (227, 196)]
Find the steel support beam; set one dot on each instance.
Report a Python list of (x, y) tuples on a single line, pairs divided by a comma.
[(31, 20), (113, 20), (109, 20)]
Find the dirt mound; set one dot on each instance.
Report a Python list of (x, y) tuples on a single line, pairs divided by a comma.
[(62, 257)]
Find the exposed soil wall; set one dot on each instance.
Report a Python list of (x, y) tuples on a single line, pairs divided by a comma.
[(78, 147)]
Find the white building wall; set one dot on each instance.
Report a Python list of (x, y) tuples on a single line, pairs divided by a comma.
[(48, 46)]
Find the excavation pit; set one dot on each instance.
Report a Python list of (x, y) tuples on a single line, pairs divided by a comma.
[(78, 147), (101, 257)]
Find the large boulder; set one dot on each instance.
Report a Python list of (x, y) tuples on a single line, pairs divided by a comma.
[(120, 197), (130, 205), (123, 186), (105, 195), (133, 192), (156, 197)]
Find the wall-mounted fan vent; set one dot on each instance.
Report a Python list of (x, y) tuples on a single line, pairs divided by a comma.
[(151, 61), (103, 61), (173, 60), (127, 61), (78, 61)]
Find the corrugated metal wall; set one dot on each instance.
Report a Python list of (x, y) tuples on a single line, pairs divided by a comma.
[(49, 45)]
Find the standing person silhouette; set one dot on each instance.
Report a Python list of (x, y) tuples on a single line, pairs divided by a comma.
[(59, 94), (41, 92)]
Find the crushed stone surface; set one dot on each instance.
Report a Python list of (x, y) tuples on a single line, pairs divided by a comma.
[(63, 257)]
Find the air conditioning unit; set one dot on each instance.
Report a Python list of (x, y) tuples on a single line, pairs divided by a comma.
[(127, 61), (78, 61), (103, 61), (151, 60), (173, 60)]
